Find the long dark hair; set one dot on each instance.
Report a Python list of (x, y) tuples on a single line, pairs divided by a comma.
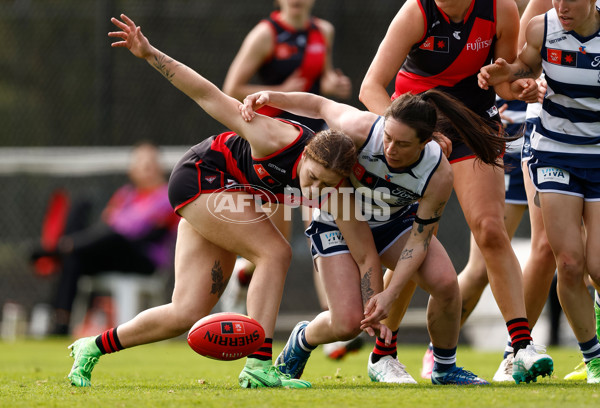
[(434, 110)]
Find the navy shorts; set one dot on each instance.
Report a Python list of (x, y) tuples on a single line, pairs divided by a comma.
[(327, 240), (514, 186), (580, 182)]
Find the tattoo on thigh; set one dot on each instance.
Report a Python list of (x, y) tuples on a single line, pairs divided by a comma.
[(406, 254), (218, 283), (365, 287)]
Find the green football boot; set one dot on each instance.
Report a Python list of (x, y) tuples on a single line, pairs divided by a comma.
[(593, 371), (86, 354), (258, 374)]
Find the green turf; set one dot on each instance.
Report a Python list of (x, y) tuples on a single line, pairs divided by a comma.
[(170, 374)]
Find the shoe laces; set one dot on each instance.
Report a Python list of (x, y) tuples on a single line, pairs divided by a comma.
[(278, 372), (89, 364), (461, 372), (538, 348), (396, 367)]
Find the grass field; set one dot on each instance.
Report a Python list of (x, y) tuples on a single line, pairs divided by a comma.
[(170, 374)]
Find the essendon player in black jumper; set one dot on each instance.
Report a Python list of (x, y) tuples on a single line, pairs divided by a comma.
[(223, 169), (290, 50), (442, 44)]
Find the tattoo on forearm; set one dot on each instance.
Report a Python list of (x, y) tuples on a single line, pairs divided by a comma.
[(366, 290), (523, 73), (406, 254), (218, 283), (160, 63), (428, 240)]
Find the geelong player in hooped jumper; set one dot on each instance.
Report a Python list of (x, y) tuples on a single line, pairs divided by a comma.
[(237, 166), (442, 44), (565, 145), (398, 166)]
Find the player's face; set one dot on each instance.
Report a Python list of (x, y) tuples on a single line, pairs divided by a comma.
[(314, 178), (576, 15), (401, 146), (295, 7)]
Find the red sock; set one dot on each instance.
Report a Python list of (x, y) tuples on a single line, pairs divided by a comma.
[(108, 342), (380, 350), (520, 335), (265, 352)]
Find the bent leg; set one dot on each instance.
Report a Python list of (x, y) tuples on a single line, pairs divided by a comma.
[(341, 282)]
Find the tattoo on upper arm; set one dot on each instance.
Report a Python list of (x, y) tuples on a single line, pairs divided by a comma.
[(218, 282), (365, 286), (160, 63)]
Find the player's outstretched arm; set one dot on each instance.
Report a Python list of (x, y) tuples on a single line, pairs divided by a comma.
[(208, 96)]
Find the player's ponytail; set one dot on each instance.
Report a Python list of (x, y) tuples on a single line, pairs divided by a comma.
[(434, 110), (485, 141)]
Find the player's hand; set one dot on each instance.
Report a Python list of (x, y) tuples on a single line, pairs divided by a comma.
[(252, 103), (493, 74), (380, 330), (293, 83), (377, 309), (505, 119), (525, 89), (337, 85), (444, 142), (542, 88), (132, 37)]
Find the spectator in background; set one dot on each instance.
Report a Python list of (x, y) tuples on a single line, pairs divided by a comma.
[(135, 234), (291, 50)]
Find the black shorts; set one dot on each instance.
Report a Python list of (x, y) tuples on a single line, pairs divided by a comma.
[(190, 178)]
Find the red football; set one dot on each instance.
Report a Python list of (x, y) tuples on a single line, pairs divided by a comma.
[(226, 336)]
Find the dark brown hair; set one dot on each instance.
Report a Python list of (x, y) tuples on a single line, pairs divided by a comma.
[(434, 110), (333, 150)]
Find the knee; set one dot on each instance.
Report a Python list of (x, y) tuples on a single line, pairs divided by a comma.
[(490, 233), (347, 327), (570, 269), (276, 257), (446, 290)]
